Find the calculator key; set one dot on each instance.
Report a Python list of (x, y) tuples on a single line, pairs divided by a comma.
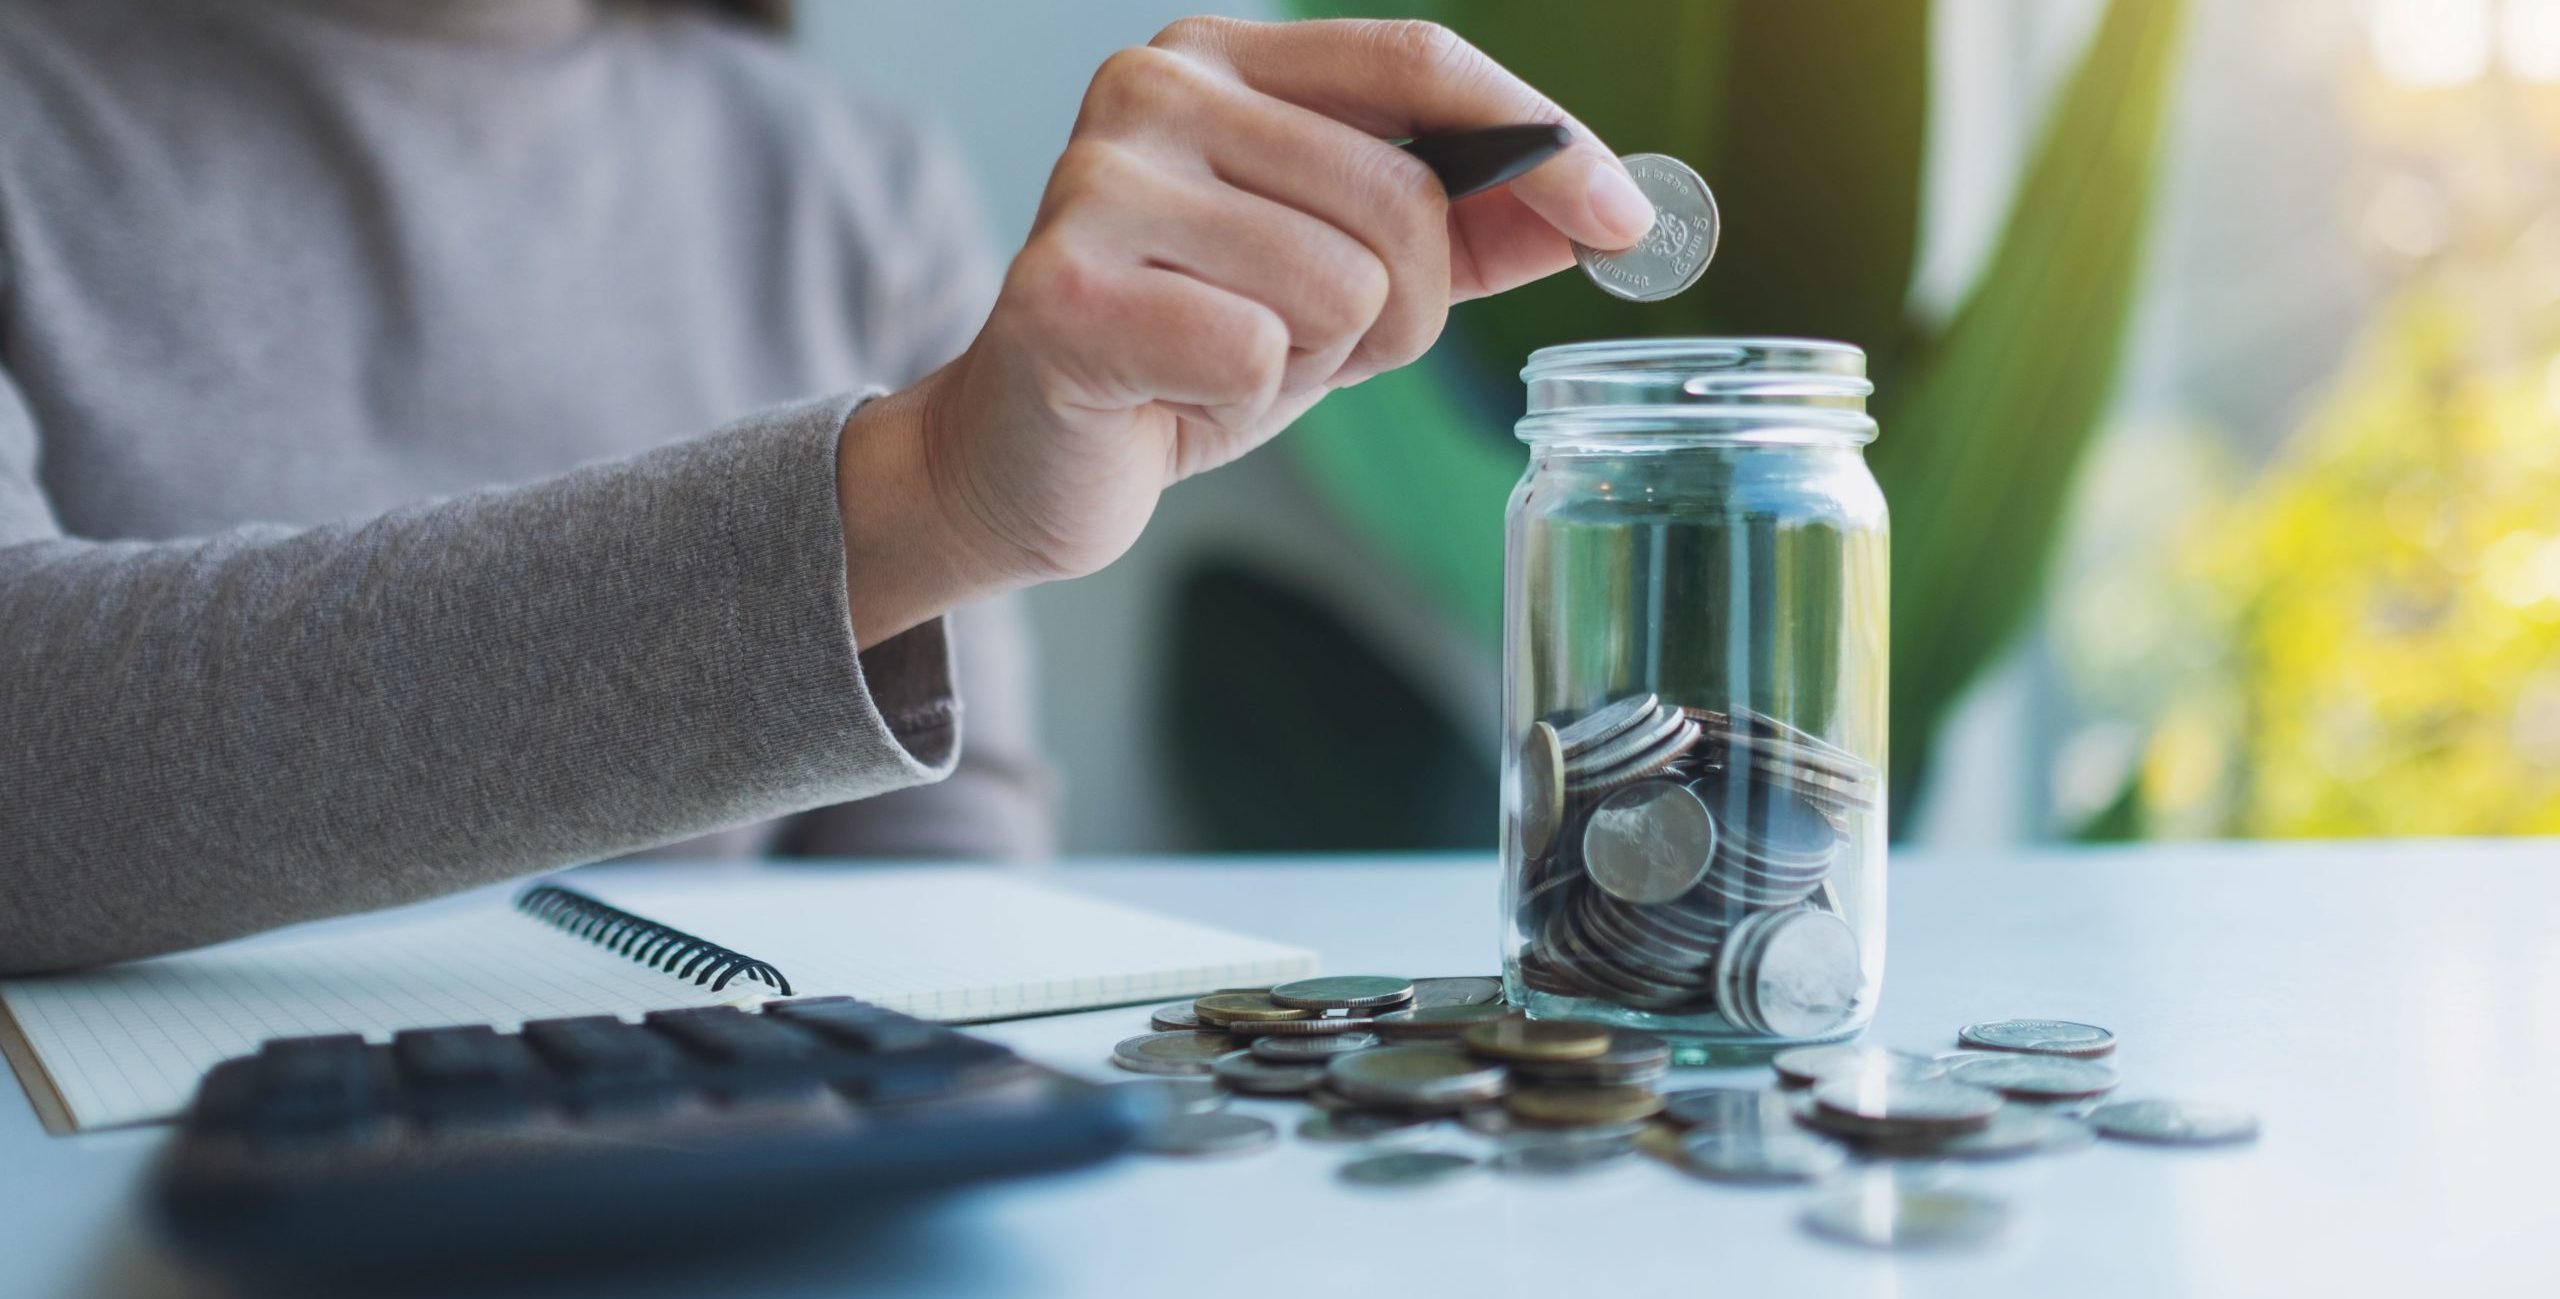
[(858, 1024), (733, 1037), (601, 1049), (469, 1057), (314, 1086)]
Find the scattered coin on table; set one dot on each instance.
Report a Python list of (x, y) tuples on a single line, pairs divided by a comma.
[(1241, 1071), (2038, 1077), (1225, 1009), (1805, 1066), (1154, 1098), (1422, 1077), (1554, 1097), (1408, 1168), (1214, 1133), (1554, 1154), (1726, 1109), (1177, 1018), (1537, 1039), (2174, 1123), (1446, 1020), (1343, 992), (1171, 1053), (1760, 1156), (2037, 1037), (1365, 1126), (1582, 1107), (1311, 1049), (1893, 1108), (1883, 1214), (1319, 1026), (1463, 990)]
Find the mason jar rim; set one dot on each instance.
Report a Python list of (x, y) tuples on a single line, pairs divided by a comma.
[(1809, 357), (1665, 391)]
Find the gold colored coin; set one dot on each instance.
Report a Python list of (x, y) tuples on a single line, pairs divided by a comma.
[(1223, 1008), (1583, 1107), (1537, 1039)]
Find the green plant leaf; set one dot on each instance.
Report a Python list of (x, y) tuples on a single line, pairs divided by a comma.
[(1981, 439)]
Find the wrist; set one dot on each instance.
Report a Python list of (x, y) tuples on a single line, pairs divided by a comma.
[(907, 560)]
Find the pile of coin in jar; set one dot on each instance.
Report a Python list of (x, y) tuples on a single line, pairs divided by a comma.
[(1679, 859), (1415, 1078)]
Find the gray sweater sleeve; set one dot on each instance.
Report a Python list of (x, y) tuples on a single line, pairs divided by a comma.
[(204, 737)]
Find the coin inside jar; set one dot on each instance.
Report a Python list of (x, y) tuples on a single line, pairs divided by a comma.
[(1675, 252), (1541, 781), (1649, 842)]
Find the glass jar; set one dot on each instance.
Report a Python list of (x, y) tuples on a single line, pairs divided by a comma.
[(1695, 667)]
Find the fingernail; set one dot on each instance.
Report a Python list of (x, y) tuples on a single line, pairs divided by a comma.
[(1619, 206)]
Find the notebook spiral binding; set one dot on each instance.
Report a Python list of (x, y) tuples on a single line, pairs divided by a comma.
[(657, 946)]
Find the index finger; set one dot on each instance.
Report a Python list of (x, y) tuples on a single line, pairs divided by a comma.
[(1400, 78)]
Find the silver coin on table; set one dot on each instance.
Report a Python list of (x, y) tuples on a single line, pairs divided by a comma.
[(1675, 252), (1461, 990), (2038, 1037), (1760, 1156), (1805, 1066), (1241, 1071), (2174, 1123), (1541, 784), (1312, 1050), (1558, 1154), (1179, 1018), (1158, 1098), (1208, 1134), (2038, 1077), (1171, 1053), (1437, 1021), (1887, 1107), (1649, 842), (1883, 1215), (1344, 992), (1320, 1026), (1407, 1168), (1604, 722), (1416, 1075), (1365, 1126), (2016, 1130), (1725, 1109)]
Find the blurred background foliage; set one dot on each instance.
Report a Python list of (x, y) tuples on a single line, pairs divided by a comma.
[(2362, 636), (1812, 133)]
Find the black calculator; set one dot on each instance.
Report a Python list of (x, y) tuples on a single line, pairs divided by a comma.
[(331, 1154)]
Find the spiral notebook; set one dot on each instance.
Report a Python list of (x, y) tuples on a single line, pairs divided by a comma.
[(126, 1044)]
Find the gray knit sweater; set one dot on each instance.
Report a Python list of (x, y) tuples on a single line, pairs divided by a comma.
[(396, 492)]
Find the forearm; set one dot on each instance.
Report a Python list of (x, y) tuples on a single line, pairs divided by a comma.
[(215, 736)]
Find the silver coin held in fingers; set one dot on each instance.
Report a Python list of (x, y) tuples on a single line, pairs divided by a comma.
[(1675, 252)]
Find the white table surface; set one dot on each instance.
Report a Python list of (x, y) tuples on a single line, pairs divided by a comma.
[(2392, 1012)]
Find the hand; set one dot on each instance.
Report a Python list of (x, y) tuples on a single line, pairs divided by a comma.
[(1227, 237)]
